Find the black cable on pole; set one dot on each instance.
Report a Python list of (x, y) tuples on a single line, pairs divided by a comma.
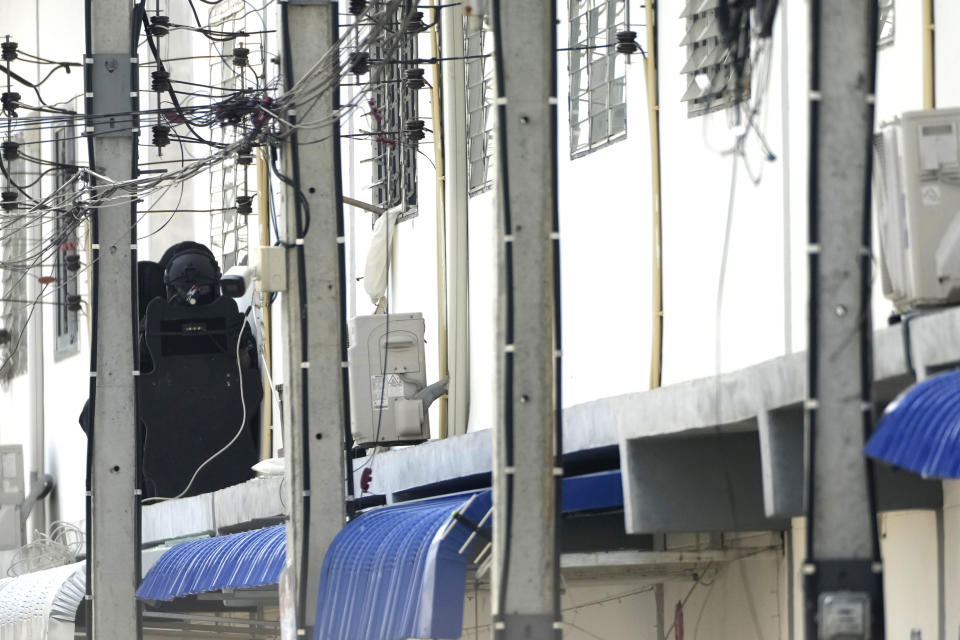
[(508, 426), (139, 17), (557, 323), (298, 193), (813, 265), (94, 295), (343, 284), (866, 290)]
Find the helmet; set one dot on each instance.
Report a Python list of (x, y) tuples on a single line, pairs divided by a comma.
[(192, 276)]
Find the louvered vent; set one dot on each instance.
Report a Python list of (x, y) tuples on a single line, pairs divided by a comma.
[(718, 54)]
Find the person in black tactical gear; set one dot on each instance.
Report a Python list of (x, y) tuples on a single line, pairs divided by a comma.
[(191, 274), (192, 341)]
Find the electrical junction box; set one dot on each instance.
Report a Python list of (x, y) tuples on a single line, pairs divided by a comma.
[(272, 268), (387, 371), (11, 497), (916, 183)]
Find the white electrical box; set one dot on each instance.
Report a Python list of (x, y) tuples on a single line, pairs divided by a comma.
[(916, 183), (387, 371), (272, 268), (11, 497)]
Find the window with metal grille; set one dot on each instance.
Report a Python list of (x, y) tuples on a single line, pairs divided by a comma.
[(65, 240), (393, 106), (14, 306), (718, 55), (479, 81), (598, 83), (229, 231), (886, 15)]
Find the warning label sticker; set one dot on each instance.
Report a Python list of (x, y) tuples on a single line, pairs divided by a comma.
[(930, 195), (381, 397)]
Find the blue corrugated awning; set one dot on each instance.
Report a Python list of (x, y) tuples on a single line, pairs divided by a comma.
[(920, 430), (395, 572), (398, 572), (235, 561)]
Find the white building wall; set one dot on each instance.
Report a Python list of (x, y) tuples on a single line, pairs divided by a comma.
[(908, 542), (951, 557), (605, 245), (605, 222), (908, 548), (65, 379), (157, 231), (742, 600)]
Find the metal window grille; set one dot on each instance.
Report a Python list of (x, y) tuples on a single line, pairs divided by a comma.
[(479, 81), (392, 106), (14, 306), (65, 238), (598, 109), (718, 55), (229, 231), (887, 17)]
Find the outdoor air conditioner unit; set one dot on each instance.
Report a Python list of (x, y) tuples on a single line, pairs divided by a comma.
[(916, 182), (387, 379)]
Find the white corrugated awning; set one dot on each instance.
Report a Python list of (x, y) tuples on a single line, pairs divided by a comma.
[(41, 605)]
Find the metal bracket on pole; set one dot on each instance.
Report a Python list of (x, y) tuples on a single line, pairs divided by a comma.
[(111, 87)]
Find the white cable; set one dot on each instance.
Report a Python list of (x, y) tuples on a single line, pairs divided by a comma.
[(274, 397), (243, 423)]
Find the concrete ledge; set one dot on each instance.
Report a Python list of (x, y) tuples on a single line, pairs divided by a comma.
[(178, 518), (239, 507), (678, 475), (254, 500), (732, 403)]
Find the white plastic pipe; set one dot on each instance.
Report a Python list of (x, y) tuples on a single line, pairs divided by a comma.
[(455, 201), (34, 339)]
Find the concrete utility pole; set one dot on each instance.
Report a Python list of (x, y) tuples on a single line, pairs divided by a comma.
[(112, 544), (844, 596), (526, 472), (314, 408)]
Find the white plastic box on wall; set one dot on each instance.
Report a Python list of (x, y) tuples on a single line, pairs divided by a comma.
[(916, 181), (387, 371), (11, 497)]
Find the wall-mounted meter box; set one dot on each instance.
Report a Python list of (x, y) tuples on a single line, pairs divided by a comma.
[(843, 615), (916, 182), (387, 371), (11, 497)]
